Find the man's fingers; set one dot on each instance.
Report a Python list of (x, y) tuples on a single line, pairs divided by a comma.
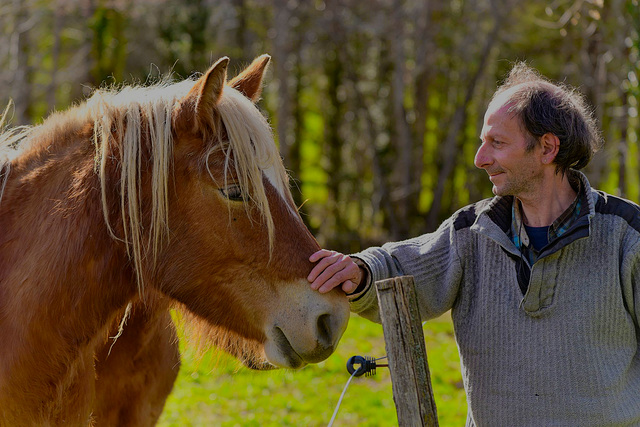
[(320, 254), (325, 261), (333, 269), (337, 274), (348, 287), (341, 262), (332, 282), (331, 277)]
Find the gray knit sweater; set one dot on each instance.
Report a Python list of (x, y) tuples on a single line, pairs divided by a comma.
[(566, 352)]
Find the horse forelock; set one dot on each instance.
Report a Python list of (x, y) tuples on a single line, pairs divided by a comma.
[(252, 152)]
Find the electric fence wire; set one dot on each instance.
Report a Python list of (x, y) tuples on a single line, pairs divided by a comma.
[(372, 369), (335, 412)]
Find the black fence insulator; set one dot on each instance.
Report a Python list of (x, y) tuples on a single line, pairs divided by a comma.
[(366, 365)]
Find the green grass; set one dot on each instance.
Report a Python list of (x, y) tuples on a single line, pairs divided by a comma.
[(216, 391)]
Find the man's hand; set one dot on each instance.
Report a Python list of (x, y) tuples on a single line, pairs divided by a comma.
[(334, 269)]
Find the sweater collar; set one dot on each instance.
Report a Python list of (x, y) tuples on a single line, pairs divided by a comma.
[(494, 219)]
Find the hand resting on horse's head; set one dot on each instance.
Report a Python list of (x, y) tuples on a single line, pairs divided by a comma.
[(334, 269)]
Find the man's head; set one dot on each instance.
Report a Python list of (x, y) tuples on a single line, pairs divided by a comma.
[(543, 108), (534, 130)]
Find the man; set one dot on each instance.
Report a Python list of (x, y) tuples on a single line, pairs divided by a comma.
[(542, 280)]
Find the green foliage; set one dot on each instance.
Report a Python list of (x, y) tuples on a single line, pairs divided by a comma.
[(338, 61), (109, 47), (183, 36), (215, 390)]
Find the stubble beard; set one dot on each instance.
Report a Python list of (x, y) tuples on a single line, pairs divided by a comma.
[(518, 186)]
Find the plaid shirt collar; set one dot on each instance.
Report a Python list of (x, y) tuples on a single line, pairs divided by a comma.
[(519, 235)]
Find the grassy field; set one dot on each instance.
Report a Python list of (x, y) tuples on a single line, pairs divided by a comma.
[(216, 391)]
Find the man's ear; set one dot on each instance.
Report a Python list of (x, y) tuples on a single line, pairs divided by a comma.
[(249, 82), (550, 145), (208, 89)]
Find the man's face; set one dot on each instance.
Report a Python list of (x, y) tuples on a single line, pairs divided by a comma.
[(503, 153)]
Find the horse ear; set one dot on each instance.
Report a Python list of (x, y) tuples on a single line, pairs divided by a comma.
[(208, 89), (249, 82)]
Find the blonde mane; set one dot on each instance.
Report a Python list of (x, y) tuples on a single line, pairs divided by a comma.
[(120, 119), (123, 115)]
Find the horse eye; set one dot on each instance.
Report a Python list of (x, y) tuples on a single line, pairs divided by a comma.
[(233, 192)]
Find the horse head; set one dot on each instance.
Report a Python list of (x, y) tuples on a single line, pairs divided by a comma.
[(225, 238)]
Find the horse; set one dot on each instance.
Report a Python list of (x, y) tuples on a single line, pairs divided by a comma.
[(135, 201)]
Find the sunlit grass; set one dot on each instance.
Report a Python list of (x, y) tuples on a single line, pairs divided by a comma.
[(215, 391)]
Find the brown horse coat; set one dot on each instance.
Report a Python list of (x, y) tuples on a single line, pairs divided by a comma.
[(116, 210)]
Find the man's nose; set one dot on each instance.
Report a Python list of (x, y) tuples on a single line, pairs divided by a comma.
[(482, 159)]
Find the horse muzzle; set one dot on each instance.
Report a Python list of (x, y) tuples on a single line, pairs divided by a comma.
[(307, 328)]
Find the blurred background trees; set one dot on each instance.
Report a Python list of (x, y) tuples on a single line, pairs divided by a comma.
[(377, 105)]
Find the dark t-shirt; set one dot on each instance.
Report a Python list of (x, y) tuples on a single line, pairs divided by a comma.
[(538, 236)]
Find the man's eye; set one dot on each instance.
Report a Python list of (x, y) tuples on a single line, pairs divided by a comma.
[(233, 192)]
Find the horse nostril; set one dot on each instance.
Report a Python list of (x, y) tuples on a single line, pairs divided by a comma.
[(324, 330)]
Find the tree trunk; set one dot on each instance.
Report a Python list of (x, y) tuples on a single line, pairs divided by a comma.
[(21, 84), (281, 59), (295, 155), (594, 70), (240, 34), (456, 126), (58, 25), (83, 80), (297, 109), (404, 143), (425, 49), (381, 199), (623, 148), (334, 73)]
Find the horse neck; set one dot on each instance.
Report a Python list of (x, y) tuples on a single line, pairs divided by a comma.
[(63, 277)]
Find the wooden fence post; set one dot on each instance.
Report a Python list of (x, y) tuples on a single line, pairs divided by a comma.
[(406, 352)]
